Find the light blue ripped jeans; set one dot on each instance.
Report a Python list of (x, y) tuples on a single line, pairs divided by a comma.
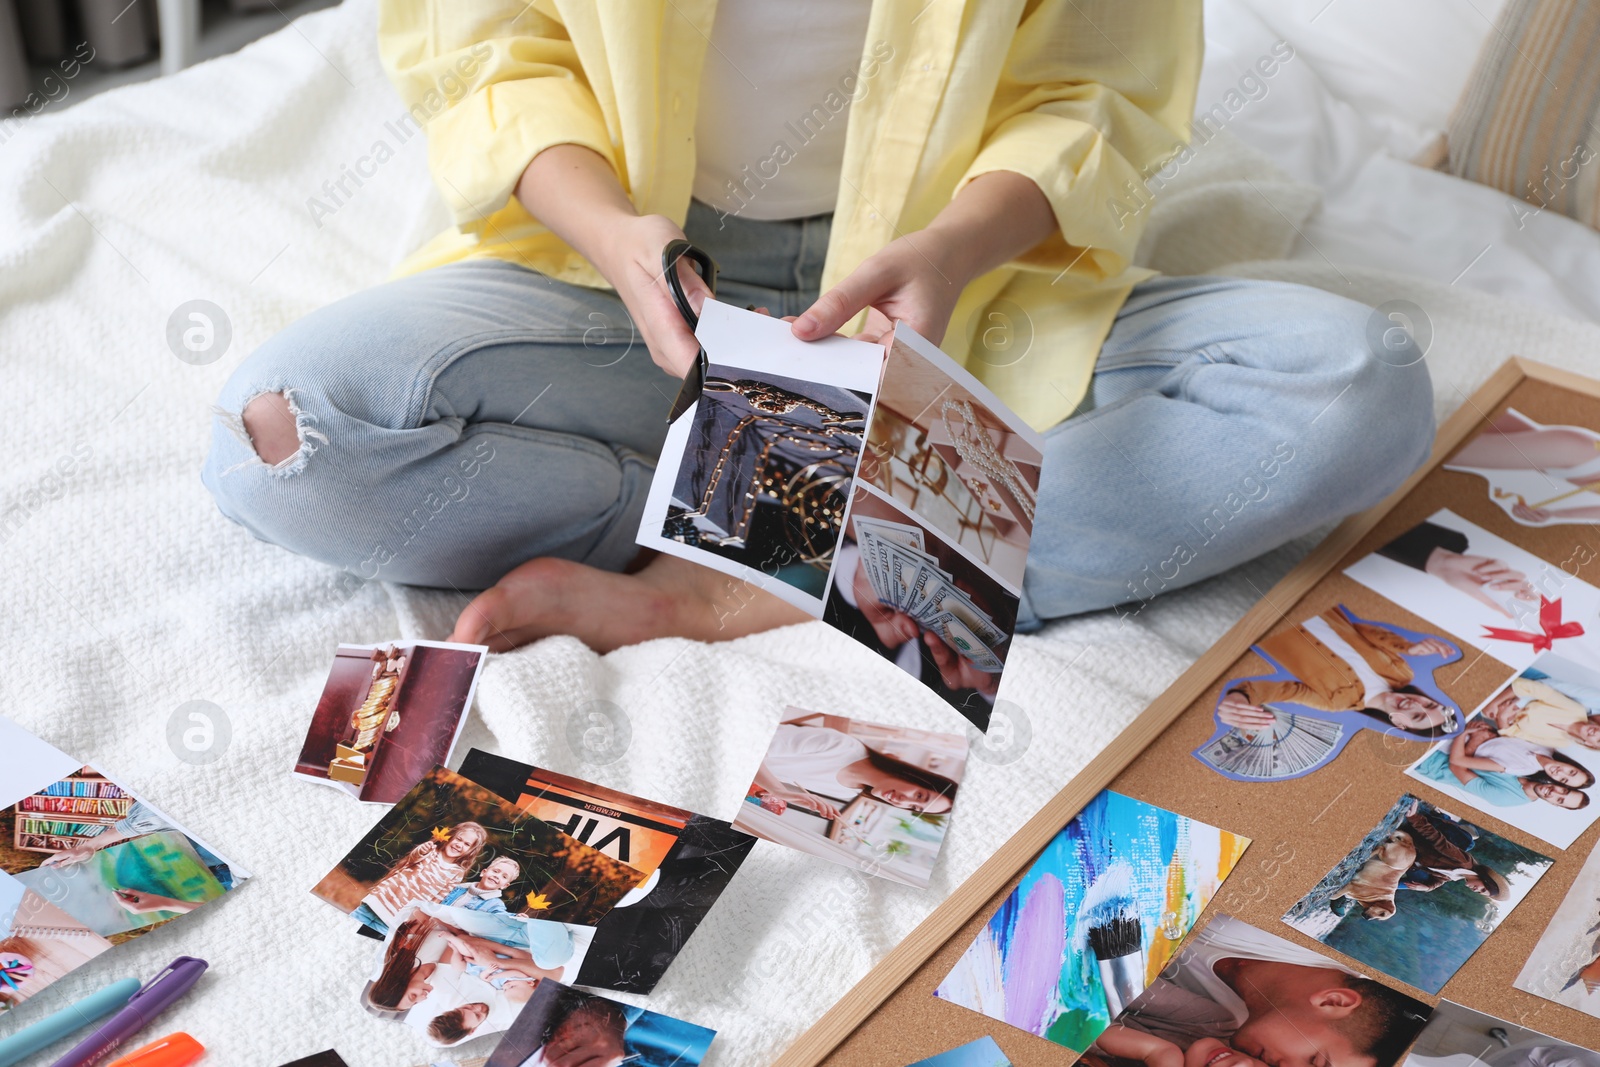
[(456, 423)]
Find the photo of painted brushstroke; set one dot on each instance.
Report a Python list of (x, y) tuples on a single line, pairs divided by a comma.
[(1094, 920)]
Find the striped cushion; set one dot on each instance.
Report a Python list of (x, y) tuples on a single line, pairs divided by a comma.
[(1528, 123)]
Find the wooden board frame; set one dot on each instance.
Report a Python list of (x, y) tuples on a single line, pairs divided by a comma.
[(817, 1044)]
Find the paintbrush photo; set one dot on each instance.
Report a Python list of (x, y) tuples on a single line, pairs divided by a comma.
[(1110, 917)]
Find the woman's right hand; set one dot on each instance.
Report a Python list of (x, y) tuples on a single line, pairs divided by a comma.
[(1236, 711), (631, 262), (811, 803)]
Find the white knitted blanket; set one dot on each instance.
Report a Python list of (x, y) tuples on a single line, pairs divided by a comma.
[(126, 594)]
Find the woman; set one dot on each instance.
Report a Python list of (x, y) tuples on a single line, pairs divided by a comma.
[(423, 949), (805, 761), (500, 408), (1506, 772), (1538, 713), (1338, 664)]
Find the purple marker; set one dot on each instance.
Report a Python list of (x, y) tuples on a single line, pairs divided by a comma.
[(155, 997)]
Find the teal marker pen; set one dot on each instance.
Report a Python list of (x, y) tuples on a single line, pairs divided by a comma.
[(47, 1031)]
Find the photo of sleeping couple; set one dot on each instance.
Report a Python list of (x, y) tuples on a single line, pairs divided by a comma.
[(1237, 996), (452, 973), (112, 861), (1418, 894), (874, 797), (1530, 754), (456, 844), (565, 1027), (1333, 674)]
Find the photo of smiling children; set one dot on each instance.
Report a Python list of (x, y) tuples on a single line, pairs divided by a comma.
[(874, 797), (450, 839), (1237, 996)]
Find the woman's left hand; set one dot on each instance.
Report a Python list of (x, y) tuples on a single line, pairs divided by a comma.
[(1430, 646), (956, 671), (913, 279)]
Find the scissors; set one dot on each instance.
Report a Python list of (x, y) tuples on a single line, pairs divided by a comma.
[(695, 381)]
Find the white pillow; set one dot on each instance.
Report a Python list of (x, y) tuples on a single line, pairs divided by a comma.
[(1400, 63)]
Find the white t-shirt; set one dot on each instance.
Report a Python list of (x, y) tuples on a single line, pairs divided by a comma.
[(1516, 756), (1370, 681), (811, 758), (777, 73), (1189, 1001)]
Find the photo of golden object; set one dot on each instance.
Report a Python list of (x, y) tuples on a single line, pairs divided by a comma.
[(375, 717)]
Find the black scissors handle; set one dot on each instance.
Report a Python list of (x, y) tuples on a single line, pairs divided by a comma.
[(694, 382)]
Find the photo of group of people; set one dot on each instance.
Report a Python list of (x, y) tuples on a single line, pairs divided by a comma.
[(85, 864), (454, 843), (1333, 674), (1529, 755), (454, 973), (755, 479), (1237, 996), (1104, 906), (689, 859), (1483, 589), (387, 714), (874, 797), (565, 1027), (1538, 475), (1418, 894)]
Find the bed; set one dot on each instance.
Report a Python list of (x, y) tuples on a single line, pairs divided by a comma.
[(129, 597)]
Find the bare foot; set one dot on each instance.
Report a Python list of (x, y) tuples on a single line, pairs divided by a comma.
[(668, 597)]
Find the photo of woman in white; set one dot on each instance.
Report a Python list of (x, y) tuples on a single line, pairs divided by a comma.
[(812, 767), (871, 796)]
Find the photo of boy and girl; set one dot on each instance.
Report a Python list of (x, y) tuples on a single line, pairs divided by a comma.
[(874, 797), (1332, 668), (1418, 894), (453, 843), (1529, 755), (453, 974), (1237, 996), (564, 1027)]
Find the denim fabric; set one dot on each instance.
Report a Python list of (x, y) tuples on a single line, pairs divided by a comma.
[(461, 421)]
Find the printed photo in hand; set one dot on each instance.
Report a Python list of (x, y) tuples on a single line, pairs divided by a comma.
[(1418, 894), (1237, 996), (1493, 595), (453, 974), (1333, 674), (455, 843), (1094, 920), (1530, 754), (874, 797), (561, 1025), (755, 479), (388, 714), (1538, 475)]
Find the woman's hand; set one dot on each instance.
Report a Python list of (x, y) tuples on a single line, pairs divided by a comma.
[(956, 670), (631, 262), (138, 903), (913, 279), (1431, 646), (1236, 711)]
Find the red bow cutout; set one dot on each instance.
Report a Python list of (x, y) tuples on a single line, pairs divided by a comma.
[(1550, 624)]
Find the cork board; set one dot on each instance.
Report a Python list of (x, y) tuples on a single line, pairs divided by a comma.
[(1300, 828)]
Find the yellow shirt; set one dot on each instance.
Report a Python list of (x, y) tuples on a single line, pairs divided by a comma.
[(1545, 716), (1088, 98)]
